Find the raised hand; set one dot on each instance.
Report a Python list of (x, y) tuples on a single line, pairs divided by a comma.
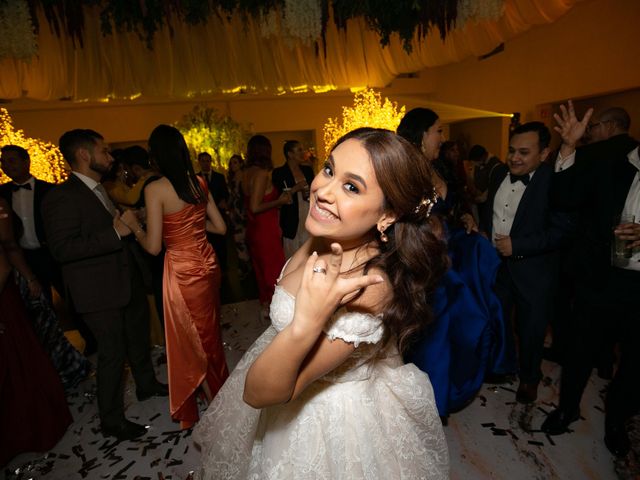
[(323, 290), (569, 127)]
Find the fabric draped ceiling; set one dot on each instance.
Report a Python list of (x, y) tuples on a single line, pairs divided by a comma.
[(226, 55)]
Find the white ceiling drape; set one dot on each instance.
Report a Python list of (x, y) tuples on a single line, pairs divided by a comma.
[(229, 56)]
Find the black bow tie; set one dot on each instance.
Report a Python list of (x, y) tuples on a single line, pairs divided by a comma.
[(15, 187), (522, 178)]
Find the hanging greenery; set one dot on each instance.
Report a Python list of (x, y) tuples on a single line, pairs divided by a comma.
[(304, 20), (206, 130), (17, 39), (368, 110)]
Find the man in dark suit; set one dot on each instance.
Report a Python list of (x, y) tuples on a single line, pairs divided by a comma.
[(294, 177), (527, 232), (25, 194), (599, 182), (100, 274), (217, 185)]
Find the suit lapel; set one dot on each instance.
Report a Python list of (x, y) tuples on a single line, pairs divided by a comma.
[(528, 197), (7, 193), (37, 202), (91, 197), (623, 174)]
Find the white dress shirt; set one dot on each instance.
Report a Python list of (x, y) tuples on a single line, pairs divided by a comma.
[(505, 205), (23, 204), (632, 207)]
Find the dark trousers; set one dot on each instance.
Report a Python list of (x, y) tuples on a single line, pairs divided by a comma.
[(533, 307), (612, 308), (123, 334)]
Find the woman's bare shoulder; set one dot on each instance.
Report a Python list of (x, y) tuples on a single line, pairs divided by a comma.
[(373, 298)]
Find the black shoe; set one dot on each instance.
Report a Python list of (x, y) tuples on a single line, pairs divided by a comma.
[(158, 390), (558, 421), (124, 430), (616, 439)]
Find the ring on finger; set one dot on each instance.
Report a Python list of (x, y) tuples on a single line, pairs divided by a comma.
[(321, 270)]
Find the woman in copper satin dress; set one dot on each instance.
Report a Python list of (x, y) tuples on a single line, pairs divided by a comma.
[(262, 204), (179, 212)]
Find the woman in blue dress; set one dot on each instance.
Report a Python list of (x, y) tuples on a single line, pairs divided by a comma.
[(467, 339)]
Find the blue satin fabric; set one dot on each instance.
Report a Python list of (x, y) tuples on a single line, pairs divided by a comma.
[(467, 338)]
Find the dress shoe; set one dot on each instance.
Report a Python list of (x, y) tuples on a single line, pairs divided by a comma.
[(616, 439), (558, 421), (124, 430), (158, 390), (527, 392)]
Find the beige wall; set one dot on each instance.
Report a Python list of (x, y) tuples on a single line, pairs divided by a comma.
[(134, 122), (593, 50)]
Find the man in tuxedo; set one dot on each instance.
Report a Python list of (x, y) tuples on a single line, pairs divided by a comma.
[(25, 194), (519, 219), (599, 182), (100, 274), (295, 177), (217, 185)]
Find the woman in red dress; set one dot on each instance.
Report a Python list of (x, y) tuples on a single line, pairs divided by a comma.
[(263, 202), (33, 409), (180, 211)]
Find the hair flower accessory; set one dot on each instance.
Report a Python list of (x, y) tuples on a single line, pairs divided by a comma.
[(426, 204)]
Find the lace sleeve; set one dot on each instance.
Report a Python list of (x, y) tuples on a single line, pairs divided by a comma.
[(355, 327)]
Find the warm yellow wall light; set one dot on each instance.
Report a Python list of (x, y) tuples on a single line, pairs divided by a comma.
[(47, 162)]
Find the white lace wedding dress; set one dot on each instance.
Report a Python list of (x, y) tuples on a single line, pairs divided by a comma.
[(365, 420)]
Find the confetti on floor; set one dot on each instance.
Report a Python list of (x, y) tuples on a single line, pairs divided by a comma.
[(493, 438)]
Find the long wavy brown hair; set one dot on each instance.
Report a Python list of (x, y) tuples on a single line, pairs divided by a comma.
[(414, 257)]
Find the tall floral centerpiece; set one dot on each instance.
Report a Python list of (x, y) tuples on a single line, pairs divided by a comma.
[(368, 110), (206, 130)]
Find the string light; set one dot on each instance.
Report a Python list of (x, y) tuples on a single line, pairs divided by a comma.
[(47, 162), (368, 110)]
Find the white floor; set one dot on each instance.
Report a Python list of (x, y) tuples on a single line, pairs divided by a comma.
[(493, 438)]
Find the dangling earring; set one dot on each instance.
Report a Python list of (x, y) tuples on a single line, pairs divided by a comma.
[(383, 237)]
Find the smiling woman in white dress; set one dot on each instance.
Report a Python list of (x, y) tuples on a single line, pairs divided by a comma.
[(323, 393)]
